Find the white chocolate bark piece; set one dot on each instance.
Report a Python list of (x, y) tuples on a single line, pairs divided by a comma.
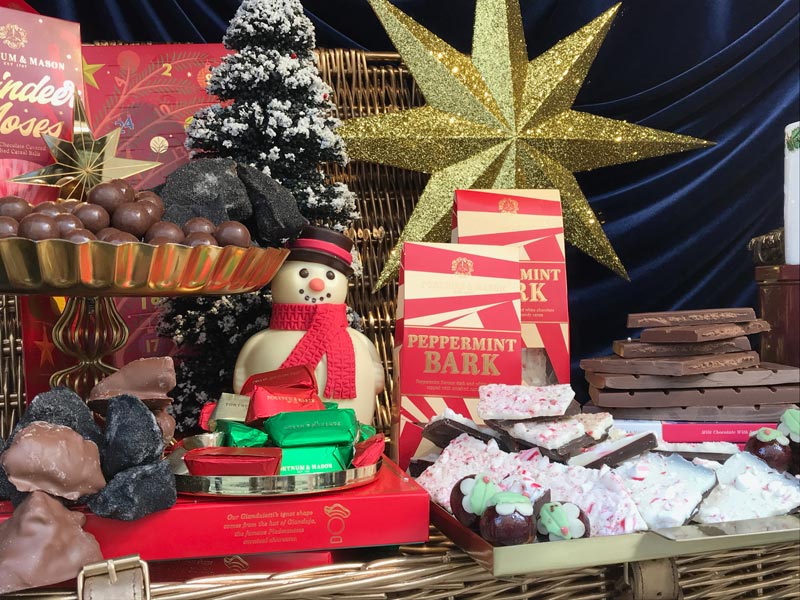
[(666, 490), (748, 489), (597, 425), (613, 452), (515, 402), (547, 434)]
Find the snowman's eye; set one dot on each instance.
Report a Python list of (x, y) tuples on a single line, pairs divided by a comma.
[(303, 273), (330, 275)]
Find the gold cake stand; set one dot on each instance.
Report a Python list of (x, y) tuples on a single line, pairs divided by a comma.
[(91, 274)]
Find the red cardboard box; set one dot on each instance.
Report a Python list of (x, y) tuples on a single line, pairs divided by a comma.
[(458, 327), (196, 528), (530, 220), (180, 570)]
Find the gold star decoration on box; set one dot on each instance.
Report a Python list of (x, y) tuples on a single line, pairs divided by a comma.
[(497, 120), (89, 71), (83, 162)]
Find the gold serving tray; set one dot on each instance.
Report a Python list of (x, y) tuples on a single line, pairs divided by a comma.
[(607, 550), (95, 268)]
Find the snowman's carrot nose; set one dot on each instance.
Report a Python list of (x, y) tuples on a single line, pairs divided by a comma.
[(316, 284)]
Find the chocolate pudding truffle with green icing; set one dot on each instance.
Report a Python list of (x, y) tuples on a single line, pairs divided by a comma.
[(469, 498), (558, 521), (508, 520), (771, 446), (790, 427)]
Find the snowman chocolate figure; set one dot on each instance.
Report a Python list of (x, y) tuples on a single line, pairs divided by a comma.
[(309, 326)]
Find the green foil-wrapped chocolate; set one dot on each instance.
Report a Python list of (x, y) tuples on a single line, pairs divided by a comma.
[(365, 431), (315, 459), (330, 405), (312, 428), (238, 435)]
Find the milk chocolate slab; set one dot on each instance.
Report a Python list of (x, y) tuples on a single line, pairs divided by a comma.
[(671, 365), (639, 349), (765, 374), (702, 333), (730, 396), (767, 413), (690, 317)]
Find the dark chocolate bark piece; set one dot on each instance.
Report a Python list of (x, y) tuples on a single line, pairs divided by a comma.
[(612, 453), (443, 431)]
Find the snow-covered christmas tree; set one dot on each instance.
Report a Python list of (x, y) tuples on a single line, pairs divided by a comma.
[(275, 114), (276, 111)]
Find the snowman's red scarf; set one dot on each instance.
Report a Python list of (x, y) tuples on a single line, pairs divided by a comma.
[(326, 333)]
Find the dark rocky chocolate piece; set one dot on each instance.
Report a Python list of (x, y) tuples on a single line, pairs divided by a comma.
[(179, 213), (200, 239), (508, 520), (232, 233), (43, 543), (199, 225), (132, 435), (8, 227), (707, 316), (149, 379), (671, 365), (275, 208), (49, 208), (132, 218), (67, 223), (128, 193), (93, 216), (78, 236), (14, 207), (165, 230), (702, 333), (639, 349), (53, 459), (208, 187), (108, 195), (771, 446), (38, 226), (136, 492)]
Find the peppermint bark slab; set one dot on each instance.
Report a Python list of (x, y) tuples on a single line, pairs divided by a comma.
[(516, 402), (724, 397), (640, 349), (613, 452), (702, 333), (676, 365), (691, 317)]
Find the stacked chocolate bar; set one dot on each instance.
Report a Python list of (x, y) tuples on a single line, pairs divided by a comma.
[(692, 366)]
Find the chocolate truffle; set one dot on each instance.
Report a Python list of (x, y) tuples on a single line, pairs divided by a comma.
[(53, 459), (78, 236), (49, 208), (149, 379), (132, 435), (121, 237), (43, 543), (38, 226), (232, 233), (469, 498), (108, 195), (508, 520), (14, 207), (200, 239), (127, 190), (164, 229), (66, 223), (199, 225), (562, 521), (93, 216), (8, 227), (771, 446), (106, 232), (151, 209), (790, 427), (69, 206), (133, 218), (156, 201)]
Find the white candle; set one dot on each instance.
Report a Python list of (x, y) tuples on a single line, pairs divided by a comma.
[(791, 194)]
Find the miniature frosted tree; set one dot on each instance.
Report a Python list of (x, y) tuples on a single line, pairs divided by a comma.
[(275, 110)]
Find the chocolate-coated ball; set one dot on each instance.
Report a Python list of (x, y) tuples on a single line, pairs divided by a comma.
[(199, 225), (14, 207), (93, 216), (121, 237), (104, 233), (467, 519), (506, 529), (133, 218), (153, 210), (160, 241), (8, 227), (107, 195), (78, 236), (66, 223), (166, 230), (200, 239), (150, 197), (38, 226), (128, 193), (232, 233), (69, 206), (771, 450), (49, 208)]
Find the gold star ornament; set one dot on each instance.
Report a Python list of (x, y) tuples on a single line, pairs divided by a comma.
[(83, 162), (497, 120)]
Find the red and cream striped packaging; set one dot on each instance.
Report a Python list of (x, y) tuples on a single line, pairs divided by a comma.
[(530, 220), (458, 327)]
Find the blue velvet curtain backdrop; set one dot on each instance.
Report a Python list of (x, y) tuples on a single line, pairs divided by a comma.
[(722, 70)]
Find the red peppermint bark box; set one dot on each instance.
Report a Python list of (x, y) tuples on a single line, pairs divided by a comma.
[(458, 328), (530, 220), (391, 510)]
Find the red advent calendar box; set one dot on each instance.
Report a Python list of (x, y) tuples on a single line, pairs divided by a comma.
[(458, 328), (530, 220), (40, 71)]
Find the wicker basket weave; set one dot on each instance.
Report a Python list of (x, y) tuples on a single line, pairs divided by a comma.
[(368, 83)]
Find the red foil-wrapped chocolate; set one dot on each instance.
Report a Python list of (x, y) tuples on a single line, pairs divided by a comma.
[(249, 462), (369, 451), (284, 390)]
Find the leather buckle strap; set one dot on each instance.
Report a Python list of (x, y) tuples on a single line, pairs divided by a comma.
[(125, 578)]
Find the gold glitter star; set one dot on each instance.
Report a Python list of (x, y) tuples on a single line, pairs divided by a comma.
[(89, 71), (83, 162), (496, 120)]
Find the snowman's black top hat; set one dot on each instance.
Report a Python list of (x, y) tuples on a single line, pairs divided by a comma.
[(323, 246)]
